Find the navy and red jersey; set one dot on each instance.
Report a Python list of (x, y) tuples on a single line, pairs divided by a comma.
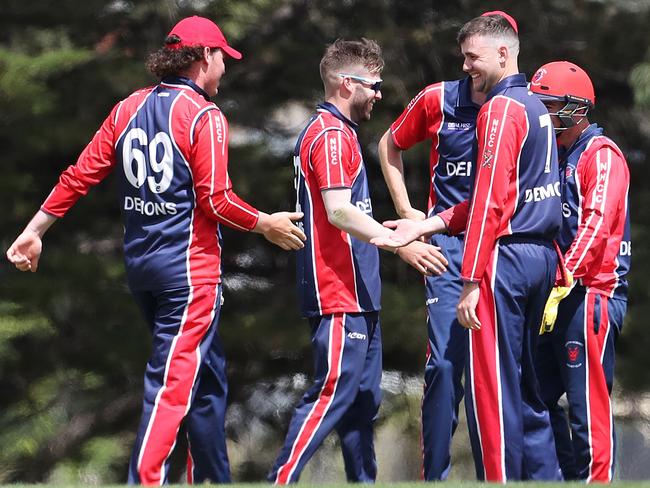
[(595, 234), (444, 113), (335, 271), (516, 182), (169, 145)]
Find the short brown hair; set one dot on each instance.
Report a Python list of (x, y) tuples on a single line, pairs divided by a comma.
[(495, 26), (173, 61), (341, 54)]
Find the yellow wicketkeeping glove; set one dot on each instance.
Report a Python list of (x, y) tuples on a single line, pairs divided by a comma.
[(550, 310)]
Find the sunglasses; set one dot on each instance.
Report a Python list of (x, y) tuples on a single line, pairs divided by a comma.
[(374, 84)]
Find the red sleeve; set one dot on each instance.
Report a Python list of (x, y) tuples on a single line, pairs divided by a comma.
[(455, 218), (420, 119), (501, 130), (604, 181), (209, 163), (333, 160), (93, 165)]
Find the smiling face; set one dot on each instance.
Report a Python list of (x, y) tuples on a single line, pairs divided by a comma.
[(484, 61), (363, 96)]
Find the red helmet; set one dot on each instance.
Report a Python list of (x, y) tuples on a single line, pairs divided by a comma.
[(563, 81)]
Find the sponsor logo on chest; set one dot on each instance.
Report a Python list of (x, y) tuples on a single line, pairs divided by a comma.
[(454, 126), (540, 193)]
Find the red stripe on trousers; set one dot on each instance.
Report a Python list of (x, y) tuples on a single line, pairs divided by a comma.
[(484, 371), (180, 376), (600, 408), (325, 399)]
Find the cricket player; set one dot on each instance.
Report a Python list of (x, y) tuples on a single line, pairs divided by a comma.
[(509, 259), (168, 145), (445, 114), (576, 356), (338, 270)]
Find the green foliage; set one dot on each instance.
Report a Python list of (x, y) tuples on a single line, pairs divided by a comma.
[(72, 343)]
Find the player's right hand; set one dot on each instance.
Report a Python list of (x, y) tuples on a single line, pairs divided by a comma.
[(425, 258), (25, 252), (405, 232), (279, 229)]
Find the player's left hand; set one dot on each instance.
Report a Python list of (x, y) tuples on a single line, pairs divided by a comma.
[(466, 308), (425, 258), (405, 232), (558, 293)]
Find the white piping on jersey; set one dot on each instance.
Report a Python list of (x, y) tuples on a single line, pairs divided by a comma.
[(489, 192), (313, 246), (442, 123), (415, 101), (190, 99), (224, 147), (518, 169), (212, 176), (134, 94), (599, 223), (133, 115), (617, 277), (198, 115)]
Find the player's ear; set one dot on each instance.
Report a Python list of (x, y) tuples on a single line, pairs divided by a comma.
[(503, 54), (206, 54)]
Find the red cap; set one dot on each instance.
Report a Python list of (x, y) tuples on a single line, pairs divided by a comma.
[(510, 19), (199, 31)]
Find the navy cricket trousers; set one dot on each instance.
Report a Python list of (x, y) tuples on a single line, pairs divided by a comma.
[(577, 358), (509, 424), (184, 380), (446, 352), (344, 396)]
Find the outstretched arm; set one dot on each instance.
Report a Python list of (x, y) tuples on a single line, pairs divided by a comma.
[(279, 229), (407, 231), (25, 252)]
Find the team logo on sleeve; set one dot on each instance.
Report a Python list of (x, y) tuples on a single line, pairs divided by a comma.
[(488, 155), (568, 172), (334, 152), (574, 354)]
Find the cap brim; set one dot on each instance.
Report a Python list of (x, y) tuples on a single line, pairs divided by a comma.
[(233, 53)]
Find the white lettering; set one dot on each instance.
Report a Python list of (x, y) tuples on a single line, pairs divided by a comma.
[(149, 208), (493, 133), (566, 210), (540, 193), (334, 152), (459, 168), (365, 206), (626, 248), (356, 335)]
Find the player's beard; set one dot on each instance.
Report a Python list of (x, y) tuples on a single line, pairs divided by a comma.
[(361, 107)]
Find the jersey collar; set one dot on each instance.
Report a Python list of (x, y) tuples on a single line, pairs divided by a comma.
[(518, 79), (592, 130), (331, 108), (182, 80), (464, 98)]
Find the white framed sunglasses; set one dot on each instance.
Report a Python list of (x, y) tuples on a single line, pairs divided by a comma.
[(374, 84)]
